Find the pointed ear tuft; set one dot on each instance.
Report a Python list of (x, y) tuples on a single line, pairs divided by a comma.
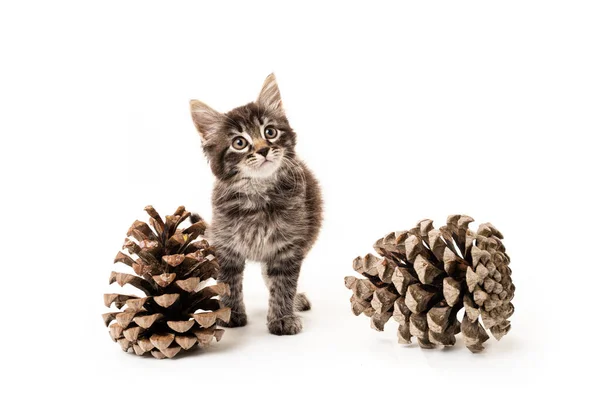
[(205, 119), (269, 96)]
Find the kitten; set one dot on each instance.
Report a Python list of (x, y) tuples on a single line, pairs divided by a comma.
[(266, 203)]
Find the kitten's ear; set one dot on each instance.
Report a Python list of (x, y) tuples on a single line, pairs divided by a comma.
[(269, 96), (205, 118)]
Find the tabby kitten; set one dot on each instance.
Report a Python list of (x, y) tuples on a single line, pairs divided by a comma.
[(266, 203)]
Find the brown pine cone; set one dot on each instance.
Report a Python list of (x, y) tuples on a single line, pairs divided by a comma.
[(427, 275), (177, 310)]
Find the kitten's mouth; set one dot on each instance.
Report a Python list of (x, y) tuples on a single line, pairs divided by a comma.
[(262, 168), (264, 163)]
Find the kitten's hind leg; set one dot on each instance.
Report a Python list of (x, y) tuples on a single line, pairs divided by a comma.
[(301, 302), (231, 271)]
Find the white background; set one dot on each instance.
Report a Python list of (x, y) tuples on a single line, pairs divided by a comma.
[(404, 110)]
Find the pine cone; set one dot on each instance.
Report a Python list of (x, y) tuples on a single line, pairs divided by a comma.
[(427, 275), (171, 268)]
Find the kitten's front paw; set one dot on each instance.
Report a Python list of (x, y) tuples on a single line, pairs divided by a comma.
[(236, 319), (288, 325)]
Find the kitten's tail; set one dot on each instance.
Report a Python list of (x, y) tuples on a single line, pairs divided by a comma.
[(195, 217), (301, 302)]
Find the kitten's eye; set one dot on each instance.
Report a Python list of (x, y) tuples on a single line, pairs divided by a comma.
[(239, 143), (271, 133)]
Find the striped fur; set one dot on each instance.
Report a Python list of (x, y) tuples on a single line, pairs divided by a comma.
[(266, 203)]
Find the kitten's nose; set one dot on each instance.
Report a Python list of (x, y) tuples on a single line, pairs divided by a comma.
[(263, 152)]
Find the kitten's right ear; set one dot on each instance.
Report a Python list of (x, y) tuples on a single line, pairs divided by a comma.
[(269, 96), (205, 119)]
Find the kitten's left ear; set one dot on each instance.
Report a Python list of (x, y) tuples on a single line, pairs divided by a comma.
[(205, 119), (269, 96)]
